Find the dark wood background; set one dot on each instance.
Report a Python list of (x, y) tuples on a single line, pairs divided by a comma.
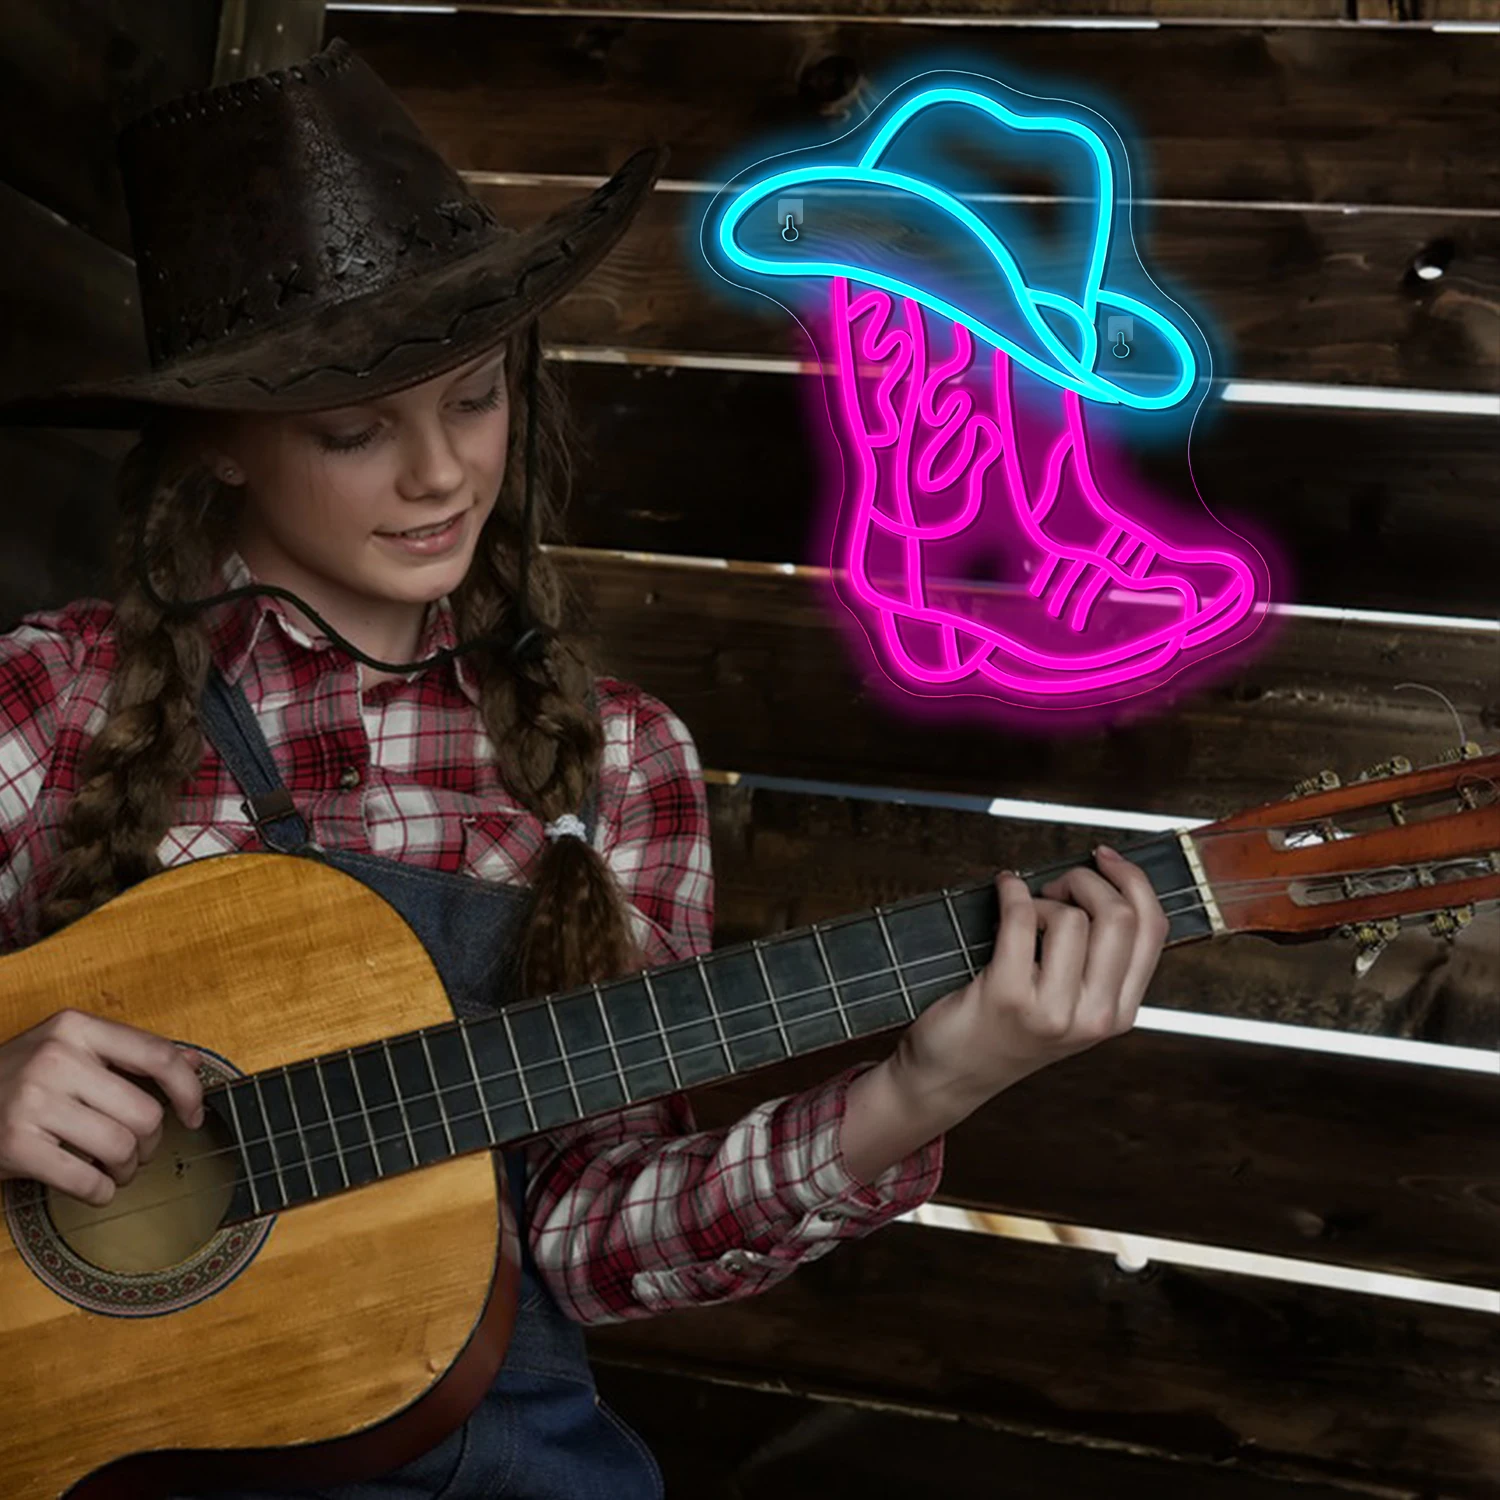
[(1299, 158)]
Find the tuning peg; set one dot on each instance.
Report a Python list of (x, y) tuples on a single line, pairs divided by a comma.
[(1324, 781), (1397, 765), (1469, 750), (1449, 922), (1371, 939)]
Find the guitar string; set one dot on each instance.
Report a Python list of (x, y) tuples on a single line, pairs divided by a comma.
[(662, 1034), (374, 1142), (570, 1087)]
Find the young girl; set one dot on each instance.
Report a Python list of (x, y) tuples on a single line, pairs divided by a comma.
[(333, 636)]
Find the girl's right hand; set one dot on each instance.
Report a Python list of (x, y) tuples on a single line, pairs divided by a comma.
[(64, 1108)]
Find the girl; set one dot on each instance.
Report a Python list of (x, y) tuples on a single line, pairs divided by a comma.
[(332, 636)]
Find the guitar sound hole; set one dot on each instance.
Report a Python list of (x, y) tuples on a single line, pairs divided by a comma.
[(167, 1213)]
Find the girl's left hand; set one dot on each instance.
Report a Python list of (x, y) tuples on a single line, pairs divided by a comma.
[(1101, 939)]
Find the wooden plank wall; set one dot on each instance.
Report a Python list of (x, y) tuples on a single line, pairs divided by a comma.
[(73, 72), (1299, 167)]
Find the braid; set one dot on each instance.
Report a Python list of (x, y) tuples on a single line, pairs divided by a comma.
[(133, 770), (548, 742)]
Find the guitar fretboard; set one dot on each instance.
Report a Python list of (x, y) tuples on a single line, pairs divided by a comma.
[(336, 1122)]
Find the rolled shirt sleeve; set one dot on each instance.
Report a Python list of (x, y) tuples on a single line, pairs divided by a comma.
[(638, 1211)]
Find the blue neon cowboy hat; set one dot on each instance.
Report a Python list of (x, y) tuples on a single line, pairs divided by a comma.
[(1049, 357)]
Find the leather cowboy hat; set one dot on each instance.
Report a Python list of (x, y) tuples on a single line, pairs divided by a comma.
[(300, 244)]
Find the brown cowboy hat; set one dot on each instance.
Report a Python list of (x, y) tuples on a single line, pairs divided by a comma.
[(300, 244)]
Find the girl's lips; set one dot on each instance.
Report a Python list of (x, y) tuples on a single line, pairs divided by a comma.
[(438, 541)]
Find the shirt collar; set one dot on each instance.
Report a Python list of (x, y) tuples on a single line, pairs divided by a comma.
[(236, 625)]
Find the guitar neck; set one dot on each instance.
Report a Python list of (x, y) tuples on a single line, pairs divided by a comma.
[(348, 1118)]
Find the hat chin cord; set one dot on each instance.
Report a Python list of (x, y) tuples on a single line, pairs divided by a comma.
[(527, 645)]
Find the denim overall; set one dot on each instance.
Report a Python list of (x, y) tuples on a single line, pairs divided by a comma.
[(540, 1433)]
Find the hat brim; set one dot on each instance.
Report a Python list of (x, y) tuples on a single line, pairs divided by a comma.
[(377, 343)]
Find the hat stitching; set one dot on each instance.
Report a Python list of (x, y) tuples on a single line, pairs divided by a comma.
[(564, 250), (194, 106), (447, 337)]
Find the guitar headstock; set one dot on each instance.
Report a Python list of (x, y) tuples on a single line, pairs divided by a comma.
[(1394, 844)]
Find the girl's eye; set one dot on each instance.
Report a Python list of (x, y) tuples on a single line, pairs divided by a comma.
[(488, 402), (333, 444)]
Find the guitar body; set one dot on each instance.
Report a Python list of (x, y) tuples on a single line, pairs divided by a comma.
[(326, 1344)]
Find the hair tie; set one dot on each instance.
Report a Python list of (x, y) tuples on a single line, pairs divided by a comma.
[(570, 825)]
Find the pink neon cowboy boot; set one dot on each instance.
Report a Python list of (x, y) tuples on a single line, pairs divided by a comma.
[(978, 539)]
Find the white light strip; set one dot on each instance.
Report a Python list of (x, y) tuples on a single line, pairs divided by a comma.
[(587, 182), (1043, 22), (1236, 392), (1345, 615), (1317, 1039), (1133, 1252), (1385, 617), (998, 807), (1096, 817), (1358, 397), (824, 18), (752, 364)]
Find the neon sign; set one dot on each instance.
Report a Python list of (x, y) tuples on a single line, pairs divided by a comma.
[(974, 536)]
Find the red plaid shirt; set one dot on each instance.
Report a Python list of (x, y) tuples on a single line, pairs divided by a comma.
[(630, 1213)]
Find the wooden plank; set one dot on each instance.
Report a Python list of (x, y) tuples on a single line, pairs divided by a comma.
[(1157, 1134), (1168, 12), (1282, 294), (1346, 1161), (1254, 1376), (69, 303), (1366, 510), (783, 859), (74, 72), (257, 36), (537, 93), (736, 1442), (759, 667)]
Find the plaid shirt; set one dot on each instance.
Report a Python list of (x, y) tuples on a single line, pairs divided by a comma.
[(630, 1213)]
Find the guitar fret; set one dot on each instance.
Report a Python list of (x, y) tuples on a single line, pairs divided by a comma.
[(609, 1037), (333, 1130), (765, 979), (895, 964), (838, 1003), (520, 1069), (713, 1010), (958, 933), (390, 1068), (562, 1052), (661, 1027), (437, 1092), (364, 1110), (484, 1108), (307, 1156), (239, 1135), (265, 1116)]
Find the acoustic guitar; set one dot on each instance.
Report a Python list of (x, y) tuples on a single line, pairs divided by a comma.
[(319, 1283)]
